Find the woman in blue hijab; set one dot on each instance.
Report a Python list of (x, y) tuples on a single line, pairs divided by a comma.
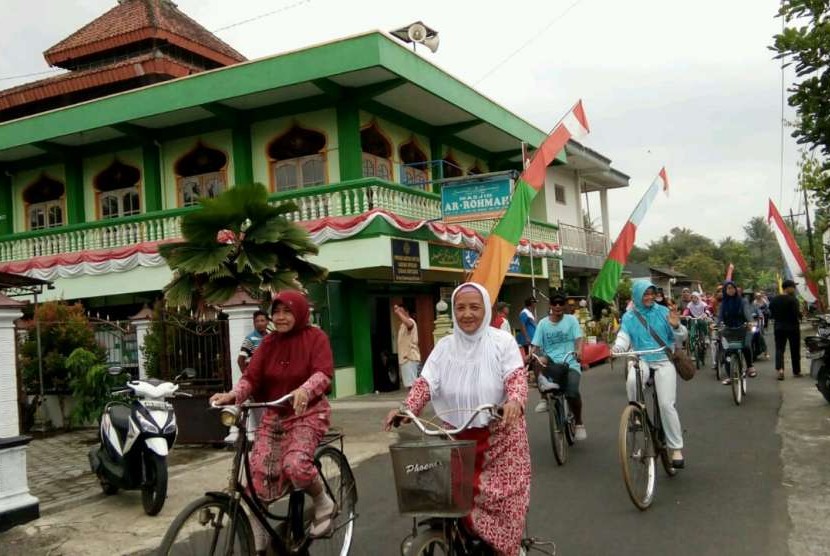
[(735, 312), (665, 323)]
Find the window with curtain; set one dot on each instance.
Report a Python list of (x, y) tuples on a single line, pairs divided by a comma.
[(117, 190), (377, 153), (201, 173), (298, 159), (44, 200)]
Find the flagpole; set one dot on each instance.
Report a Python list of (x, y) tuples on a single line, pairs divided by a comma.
[(527, 228)]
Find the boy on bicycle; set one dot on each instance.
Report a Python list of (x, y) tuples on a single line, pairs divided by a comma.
[(559, 337)]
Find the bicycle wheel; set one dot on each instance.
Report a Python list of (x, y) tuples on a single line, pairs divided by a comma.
[(556, 422), (337, 475), (570, 424), (431, 542), (637, 465), (735, 372), (665, 458), (720, 370), (204, 527)]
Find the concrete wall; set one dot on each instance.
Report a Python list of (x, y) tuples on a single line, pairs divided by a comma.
[(571, 211)]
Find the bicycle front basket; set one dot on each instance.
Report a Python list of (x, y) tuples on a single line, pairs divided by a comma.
[(733, 338), (434, 477)]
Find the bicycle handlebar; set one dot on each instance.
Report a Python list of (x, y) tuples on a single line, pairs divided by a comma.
[(494, 410), (251, 405), (638, 353)]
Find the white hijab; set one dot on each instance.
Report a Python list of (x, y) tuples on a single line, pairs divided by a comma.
[(467, 370)]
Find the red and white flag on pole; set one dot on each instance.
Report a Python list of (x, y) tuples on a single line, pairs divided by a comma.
[(796, 265)]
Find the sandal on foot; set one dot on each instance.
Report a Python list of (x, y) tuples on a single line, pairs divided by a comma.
[(324, 525), (752, 373), (780, 375)]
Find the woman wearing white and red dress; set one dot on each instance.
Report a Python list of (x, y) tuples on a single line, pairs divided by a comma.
[(476, 365)]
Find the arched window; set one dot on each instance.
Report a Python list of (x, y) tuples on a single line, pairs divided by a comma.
[(298, 159), (117, 190), (377, 153), (44, 203), (413, 165), (201, 173), (451, 168)]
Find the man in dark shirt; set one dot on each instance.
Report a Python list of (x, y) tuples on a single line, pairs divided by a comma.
[(785, 312)]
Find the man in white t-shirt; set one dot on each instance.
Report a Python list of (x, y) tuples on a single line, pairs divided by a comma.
[(409, 355)]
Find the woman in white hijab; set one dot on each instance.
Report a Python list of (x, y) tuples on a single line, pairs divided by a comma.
[(479, 364)]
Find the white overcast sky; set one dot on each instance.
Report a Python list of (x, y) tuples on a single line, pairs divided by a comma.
[(691, 85)]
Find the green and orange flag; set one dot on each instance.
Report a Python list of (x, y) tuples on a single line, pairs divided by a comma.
[(501, 244), (605, 286)]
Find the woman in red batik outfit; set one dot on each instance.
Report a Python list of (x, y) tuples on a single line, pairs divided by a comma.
[(476, 365), (295, 359)]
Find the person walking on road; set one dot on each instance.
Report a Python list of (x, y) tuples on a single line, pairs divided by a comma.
[(475, 365), (637, 335), (500, 319), (527, 321), (786, 313), (409, 355)]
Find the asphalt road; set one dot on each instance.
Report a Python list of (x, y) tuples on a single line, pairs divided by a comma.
[(728, 501)]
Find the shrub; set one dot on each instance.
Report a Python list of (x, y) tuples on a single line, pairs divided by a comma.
[(91, 385)]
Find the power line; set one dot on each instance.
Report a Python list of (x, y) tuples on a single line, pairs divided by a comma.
[(527, 42), (261, 16), (226, 27)]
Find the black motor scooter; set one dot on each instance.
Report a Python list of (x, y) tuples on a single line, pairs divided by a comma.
[(136, 438), (818, 352)]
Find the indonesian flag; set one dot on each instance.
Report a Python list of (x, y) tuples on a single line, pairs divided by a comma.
[(500, 247), (793, 259), (605, 286)]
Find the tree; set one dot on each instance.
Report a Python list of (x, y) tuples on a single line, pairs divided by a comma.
[(238, 240), (764, 254), (805, 42), (701, 267)]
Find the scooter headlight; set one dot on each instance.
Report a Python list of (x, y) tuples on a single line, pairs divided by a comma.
[(229, 416), (170, 428), (146, 424)]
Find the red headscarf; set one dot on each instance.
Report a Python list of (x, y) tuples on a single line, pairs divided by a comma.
[(284, 361)]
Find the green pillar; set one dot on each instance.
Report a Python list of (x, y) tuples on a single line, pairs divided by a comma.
[(348, 141), (243, 164), (74, 190), (6, 204), (359, 307), (436, 154), (151, 155)]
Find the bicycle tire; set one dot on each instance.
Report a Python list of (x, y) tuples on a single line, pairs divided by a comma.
[(665, 458), (637, 467), (431, 542), (342, 487), (735, 372), (557, 430), (209, 511)]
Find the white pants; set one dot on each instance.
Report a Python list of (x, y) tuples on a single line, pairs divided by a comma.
[(409, 372), (665, 381)]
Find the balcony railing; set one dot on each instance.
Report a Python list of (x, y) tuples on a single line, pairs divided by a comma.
[(345, 199), (582, 240)]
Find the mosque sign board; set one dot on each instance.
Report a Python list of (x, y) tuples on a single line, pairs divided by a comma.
[(476, 200), (406, 261)]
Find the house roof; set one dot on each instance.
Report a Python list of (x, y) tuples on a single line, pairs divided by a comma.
[(668, 272), (137, 20), (75, 81)]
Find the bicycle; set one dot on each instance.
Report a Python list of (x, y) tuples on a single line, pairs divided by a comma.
[(434, 481), (560, 418), (218, 522), (732, 342), (698, 330), (641, 436)]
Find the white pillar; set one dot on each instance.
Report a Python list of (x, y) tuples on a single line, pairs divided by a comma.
[(16, 504), (603, 204), (240, 324), (142, 328)]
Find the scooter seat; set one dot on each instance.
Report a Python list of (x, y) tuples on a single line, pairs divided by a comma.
[(120, 418)]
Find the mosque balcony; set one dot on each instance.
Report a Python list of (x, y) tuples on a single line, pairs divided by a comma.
[(335, 202)]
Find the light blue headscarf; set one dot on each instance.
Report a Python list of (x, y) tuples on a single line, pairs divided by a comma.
[(657, 318)]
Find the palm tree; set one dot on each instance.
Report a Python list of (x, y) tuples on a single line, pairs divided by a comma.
[(237, 240)]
